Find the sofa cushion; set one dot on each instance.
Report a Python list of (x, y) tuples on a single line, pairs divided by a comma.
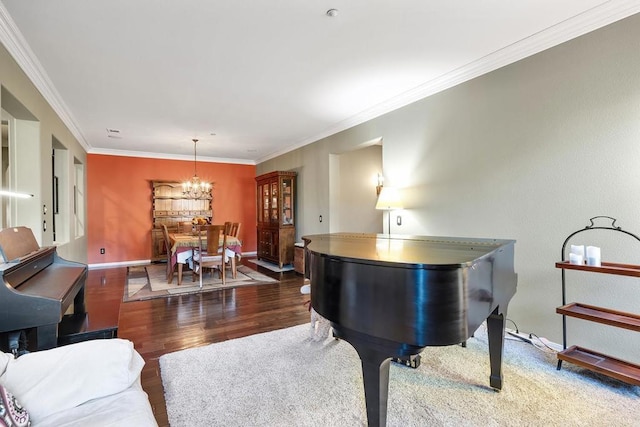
[(12, 414), (129, 408), (5, 358), (54, 380)]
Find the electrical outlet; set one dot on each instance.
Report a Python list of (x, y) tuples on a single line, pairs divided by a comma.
[(102, 251)]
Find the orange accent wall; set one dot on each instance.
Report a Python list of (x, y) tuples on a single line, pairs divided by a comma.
[(119, 202)]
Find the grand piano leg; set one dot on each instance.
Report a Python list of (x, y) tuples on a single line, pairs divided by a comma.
[(375, 356), (495, 335), (375, 374)]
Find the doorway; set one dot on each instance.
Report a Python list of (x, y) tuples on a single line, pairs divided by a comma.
[(353, 178)]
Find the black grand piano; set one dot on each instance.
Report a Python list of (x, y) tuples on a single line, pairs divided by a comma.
[(392, 296), (38, 287)]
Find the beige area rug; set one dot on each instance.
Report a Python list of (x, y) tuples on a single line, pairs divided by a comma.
[(283, 378), (147, 282)]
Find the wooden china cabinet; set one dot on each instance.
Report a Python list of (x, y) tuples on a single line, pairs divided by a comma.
[(170, 206), (276, 216)]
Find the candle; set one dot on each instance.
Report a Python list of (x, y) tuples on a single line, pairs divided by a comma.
[(578, 250), (576, 259), (593, 256)]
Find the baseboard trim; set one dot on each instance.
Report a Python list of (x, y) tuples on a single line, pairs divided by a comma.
[(142, 262), (119, 264)]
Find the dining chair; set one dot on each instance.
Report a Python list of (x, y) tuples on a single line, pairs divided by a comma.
[(167, 244), (235, 229), (185, 226), (210, 254), (178, 259), (235, 232), (231, 229)]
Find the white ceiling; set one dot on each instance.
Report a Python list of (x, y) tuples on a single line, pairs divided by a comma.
[(266, 77)]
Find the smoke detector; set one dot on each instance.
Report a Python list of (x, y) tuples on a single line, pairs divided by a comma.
[(113, 133)]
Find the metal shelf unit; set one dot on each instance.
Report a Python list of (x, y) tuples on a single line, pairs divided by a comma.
[(590, 359)]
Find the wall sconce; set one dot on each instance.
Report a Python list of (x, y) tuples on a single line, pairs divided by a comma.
[(380, 184)]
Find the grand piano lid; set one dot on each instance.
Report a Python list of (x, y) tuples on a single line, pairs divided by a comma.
[(422, 251)]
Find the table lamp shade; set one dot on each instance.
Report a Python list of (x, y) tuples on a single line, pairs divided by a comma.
[(389, 199)]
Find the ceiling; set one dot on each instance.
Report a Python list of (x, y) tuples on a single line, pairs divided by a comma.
[(255, 79)]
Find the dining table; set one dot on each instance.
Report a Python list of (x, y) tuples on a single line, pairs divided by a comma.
[(182, 245)]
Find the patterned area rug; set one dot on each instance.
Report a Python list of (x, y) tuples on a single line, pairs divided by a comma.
[(270, 266), (147, 282)]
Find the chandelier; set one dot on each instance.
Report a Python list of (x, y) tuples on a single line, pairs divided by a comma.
[(195, 188)]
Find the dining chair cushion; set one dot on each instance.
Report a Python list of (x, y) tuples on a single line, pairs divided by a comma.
[(197, 255)]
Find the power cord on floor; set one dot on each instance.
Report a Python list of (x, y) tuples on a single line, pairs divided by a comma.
[(541, 344), (544, 345), (531, 338), (514, 325), (517, 335)]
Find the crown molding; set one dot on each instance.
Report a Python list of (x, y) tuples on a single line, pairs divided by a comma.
[(17, 46), (588, 21), (164, 156), (578, 25)]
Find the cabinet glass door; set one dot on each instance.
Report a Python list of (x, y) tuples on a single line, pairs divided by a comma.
[(265, 202), (287, 201), (260, 201), (274, 202)]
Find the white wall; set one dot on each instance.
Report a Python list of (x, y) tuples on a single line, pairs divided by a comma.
[(26, 177), (353, 198), (528, 152), (38, 156)]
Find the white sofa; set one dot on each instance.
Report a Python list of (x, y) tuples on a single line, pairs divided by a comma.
[(92, 383)]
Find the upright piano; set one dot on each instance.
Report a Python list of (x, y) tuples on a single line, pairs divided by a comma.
[(392, 296), (39, 287)]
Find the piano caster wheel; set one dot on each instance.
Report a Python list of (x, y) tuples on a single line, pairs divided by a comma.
[(412, 361)]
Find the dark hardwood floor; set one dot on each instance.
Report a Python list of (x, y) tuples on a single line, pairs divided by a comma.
[(165, 325)]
